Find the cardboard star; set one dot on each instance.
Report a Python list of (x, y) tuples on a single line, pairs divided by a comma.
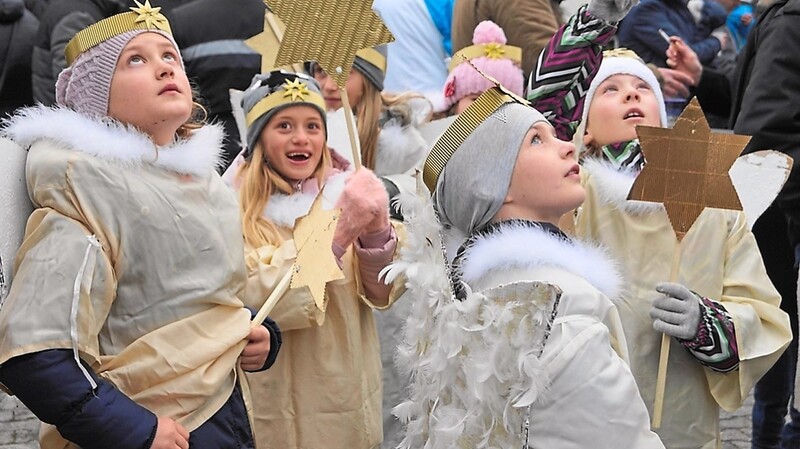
[(687, 168), (315, 264), (329, 32), (268, 41)]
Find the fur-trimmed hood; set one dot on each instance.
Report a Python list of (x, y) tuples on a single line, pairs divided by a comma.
[(519, 246), (613, 186), (108, 139)]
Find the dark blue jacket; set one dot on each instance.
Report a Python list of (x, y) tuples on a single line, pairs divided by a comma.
[(639, 31), (55, 389)]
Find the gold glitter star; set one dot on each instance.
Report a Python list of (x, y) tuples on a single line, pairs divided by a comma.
[(687, 168), (295, 89), (151, 17), (315, 264), (329, 32)]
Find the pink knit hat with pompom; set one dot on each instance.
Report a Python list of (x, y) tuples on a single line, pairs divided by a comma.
[(492, 56)]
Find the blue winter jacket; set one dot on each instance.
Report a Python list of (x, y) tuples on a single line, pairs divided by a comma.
[(639, 31)]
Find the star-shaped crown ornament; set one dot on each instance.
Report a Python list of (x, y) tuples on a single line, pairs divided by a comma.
[(151, 16), (296, 90), (687, 168), (140, 17)]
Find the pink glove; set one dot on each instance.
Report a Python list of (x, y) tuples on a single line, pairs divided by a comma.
[(365, 208)]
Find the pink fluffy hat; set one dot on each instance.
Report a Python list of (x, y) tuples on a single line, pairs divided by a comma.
[(492, 56)]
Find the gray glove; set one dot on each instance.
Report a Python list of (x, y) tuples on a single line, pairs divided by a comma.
[(677, 313), (611, 11)]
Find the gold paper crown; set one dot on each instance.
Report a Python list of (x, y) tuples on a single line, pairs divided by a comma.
[(373, 57), (294, 91), (491, 51), (622, 53), (141, 17), (455, 134)]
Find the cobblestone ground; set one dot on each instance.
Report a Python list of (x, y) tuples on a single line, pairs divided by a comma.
[(736, 427), (18, 427)]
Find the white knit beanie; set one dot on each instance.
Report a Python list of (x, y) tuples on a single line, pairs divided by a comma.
[(624, 62)]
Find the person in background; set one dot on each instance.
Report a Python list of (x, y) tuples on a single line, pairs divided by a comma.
[(18, 27), (491, 55), (211, 37), (528, 24), (766, 91), (421, 47)]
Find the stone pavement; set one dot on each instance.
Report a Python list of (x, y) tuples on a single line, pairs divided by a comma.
[(18, 427), (736, 426)]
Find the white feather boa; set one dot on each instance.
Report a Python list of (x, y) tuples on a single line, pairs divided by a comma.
[(473, 364)]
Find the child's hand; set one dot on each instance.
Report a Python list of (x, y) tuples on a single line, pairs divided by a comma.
[(675, 84), (254, 355), (676, 312), (170, 435), (365, 208)]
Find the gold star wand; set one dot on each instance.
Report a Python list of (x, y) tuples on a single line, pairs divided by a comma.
[(687, 170), (268, 41), (315, 264), (330, 32)]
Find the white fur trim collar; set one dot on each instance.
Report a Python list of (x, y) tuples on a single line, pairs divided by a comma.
[(283, 209), (108, 139), (613, 187), (500, 250)]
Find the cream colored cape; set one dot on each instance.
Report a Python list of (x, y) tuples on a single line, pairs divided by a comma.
[(133, 259), (325, 387), (720, 260)]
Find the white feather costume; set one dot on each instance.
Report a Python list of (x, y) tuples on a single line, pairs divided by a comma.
[(534, 330)]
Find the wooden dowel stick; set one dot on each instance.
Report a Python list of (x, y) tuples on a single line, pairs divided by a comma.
[(663, 360), (273, 298), (355, 144)]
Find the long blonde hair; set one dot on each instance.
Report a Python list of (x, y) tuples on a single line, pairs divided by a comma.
[(257, 182), (368, 113)]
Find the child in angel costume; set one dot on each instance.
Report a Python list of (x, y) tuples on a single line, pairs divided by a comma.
[(530, 353), (124, 326), (325, 388), (722, 308)]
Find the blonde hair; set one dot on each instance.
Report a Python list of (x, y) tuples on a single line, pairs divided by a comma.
[(368, 114), (258, 181), (196, 120)]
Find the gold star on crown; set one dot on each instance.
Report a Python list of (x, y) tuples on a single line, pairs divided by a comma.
[(494, 51), (151, 17), (296, 90)]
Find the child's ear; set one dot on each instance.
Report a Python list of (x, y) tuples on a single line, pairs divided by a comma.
[(588, 139)]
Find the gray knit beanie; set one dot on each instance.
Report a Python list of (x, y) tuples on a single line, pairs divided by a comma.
[(474, 183), (84, 86), (259, 105), (371, 62)]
